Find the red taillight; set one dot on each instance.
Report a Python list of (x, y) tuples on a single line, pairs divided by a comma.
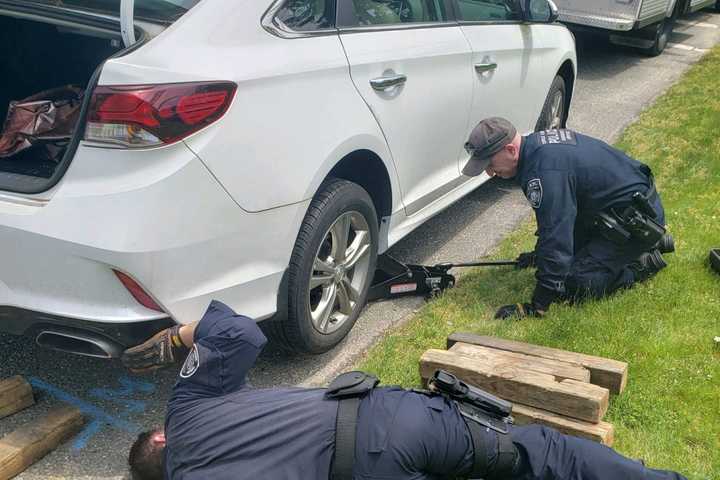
[(150, 115), (137, 292)]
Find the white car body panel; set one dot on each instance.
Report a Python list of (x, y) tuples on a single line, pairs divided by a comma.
[(106, 216), (517, 88), (431, 104), (285, 88)]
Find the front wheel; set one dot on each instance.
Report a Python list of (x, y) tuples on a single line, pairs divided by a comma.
[(331, 268), (554, 111)]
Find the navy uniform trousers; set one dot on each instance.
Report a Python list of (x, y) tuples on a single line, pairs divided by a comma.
[(600, 266), (426, 438), (548, 454)]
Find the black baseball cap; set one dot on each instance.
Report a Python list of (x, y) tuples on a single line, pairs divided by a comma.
[(486, 139)]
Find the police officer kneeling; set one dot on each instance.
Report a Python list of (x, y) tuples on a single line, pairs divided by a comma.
[(217, 427), (601, 225)]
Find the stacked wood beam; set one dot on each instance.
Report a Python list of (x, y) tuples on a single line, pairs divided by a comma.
[(564, 390), (30, 442)]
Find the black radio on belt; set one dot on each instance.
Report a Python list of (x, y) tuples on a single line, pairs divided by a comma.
[(473, 403)]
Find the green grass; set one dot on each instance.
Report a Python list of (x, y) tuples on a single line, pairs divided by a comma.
[(669, 414)]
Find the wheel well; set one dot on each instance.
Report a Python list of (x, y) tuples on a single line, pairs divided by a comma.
[(568, 74), (681, 7), (367, 170)]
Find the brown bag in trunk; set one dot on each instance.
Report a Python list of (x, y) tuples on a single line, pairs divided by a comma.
[(46, 119)]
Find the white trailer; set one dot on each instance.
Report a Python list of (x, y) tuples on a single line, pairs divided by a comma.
[(645, 24)]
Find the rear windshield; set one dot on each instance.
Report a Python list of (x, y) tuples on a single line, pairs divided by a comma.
[(163, 10)]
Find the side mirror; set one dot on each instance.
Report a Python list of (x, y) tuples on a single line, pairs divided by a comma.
[(541, 11)]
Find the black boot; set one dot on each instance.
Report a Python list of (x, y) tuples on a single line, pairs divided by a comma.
[(647, 265), (666, 244)]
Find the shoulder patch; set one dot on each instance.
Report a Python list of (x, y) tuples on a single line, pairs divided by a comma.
[(557, 136), (192, 363), (534, 192)]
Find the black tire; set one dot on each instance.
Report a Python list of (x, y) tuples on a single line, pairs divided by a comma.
[(549, 117), (717, 6), (335, 199), (661, 37)]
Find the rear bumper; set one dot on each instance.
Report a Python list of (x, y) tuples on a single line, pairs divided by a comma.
[(19, 321), (157, 215)]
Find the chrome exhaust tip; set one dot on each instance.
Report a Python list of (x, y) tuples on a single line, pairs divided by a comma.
[(79, 343)]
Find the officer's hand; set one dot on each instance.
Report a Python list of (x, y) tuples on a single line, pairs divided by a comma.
[(526, 260), (520, 310), (163, 349)]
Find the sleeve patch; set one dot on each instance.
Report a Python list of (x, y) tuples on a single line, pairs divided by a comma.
[(192, 363), (557, 136), (534, 192)]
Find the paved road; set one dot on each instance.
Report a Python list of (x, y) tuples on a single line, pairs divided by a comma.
[(614, 85)]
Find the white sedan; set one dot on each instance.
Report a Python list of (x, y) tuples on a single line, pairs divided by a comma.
[(261, 153)]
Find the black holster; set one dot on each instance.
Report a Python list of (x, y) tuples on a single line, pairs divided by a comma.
[(348, 389), (634, 223), (481, 411)]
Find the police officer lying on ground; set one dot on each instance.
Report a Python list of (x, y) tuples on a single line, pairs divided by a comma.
[(217, 427), (600, 221)]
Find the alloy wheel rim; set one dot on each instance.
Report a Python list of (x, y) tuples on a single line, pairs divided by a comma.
[(339, 273), (556, 109)]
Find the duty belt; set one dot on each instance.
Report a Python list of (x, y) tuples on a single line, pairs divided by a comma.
[(348, 389)]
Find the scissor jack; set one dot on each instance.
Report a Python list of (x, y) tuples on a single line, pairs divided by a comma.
[(394, 278)]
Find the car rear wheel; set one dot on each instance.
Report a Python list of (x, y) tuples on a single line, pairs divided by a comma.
[(553, 113), (331, 267)]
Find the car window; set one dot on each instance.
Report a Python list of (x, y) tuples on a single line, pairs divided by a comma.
[(393, 12), (489, 10), (304, 15)]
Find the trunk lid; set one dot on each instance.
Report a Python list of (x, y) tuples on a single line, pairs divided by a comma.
[(133, 21)]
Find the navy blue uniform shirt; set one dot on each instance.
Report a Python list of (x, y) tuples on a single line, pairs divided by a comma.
[(217, 427), (568, 178)]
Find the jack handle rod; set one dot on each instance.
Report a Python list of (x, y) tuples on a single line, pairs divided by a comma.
[(497, 263)]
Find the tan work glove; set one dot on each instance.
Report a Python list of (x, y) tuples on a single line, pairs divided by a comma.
[(163, 349)]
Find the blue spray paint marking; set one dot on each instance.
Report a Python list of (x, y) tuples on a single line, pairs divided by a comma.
[(129, 387), (88, 432), (99, 417)]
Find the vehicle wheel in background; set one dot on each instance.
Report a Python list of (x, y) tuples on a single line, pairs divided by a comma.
[(660, 36), (331, 268), (553, 114)]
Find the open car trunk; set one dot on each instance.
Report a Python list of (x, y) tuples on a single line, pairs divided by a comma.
[(38, 57)]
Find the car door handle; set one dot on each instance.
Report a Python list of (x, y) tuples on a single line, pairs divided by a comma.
[(382, 84), (485, 67)]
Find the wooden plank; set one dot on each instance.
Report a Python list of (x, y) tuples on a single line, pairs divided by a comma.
[(571, 398), (559, 370), (601, 432), (15, 394), (605, 372), (31, 442)]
